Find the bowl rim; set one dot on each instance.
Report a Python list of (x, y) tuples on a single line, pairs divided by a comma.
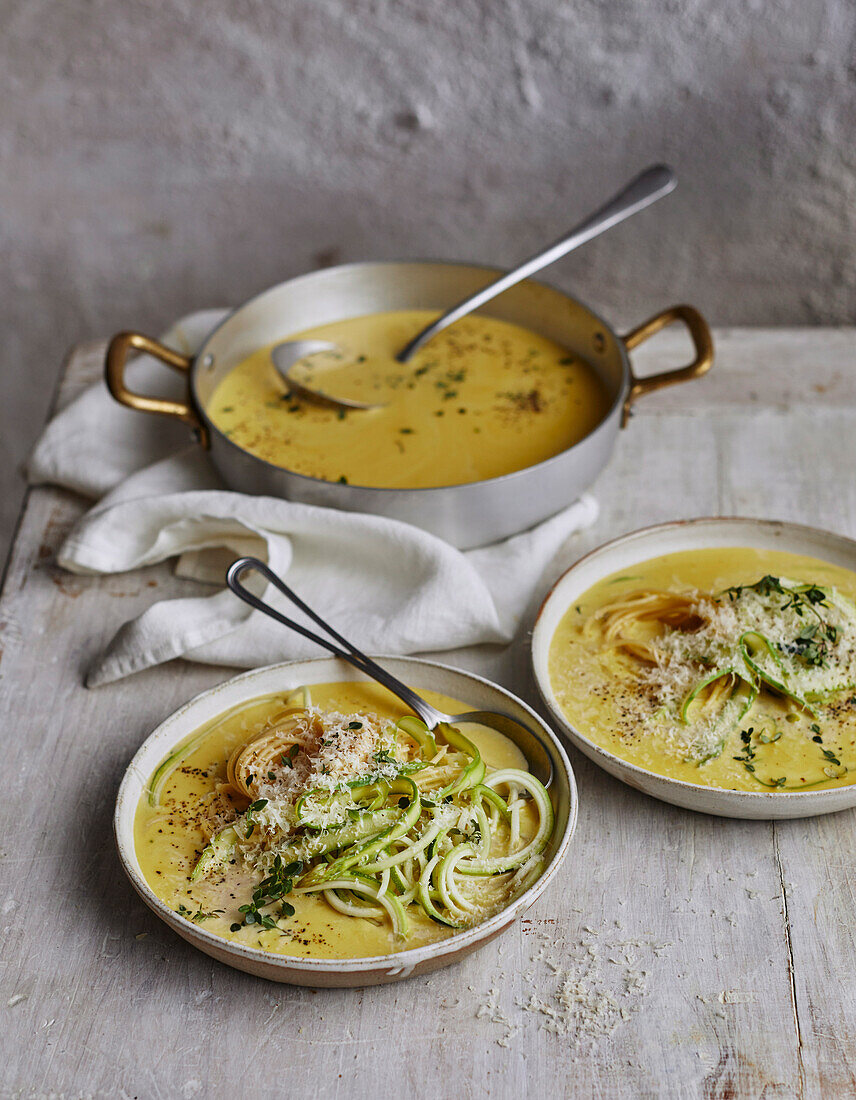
[(642, 775), (404, 961), (615, 406)]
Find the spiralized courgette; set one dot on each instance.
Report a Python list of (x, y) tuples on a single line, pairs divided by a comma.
[(424, 827), (704, 659)]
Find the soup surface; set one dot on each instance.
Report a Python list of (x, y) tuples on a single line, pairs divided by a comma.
[(731, 668), (482, 399), (267, 825)]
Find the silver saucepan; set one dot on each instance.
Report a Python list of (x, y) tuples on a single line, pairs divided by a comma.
[(467, 515)]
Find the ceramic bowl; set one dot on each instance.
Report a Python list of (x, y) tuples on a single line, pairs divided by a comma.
[(479, 693), (653, 542)]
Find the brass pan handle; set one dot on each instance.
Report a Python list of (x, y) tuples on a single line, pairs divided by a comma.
[(701, 364), (114, 375)]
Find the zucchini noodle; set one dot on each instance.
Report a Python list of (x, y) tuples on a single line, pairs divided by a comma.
[(382, 820), (701, 660)]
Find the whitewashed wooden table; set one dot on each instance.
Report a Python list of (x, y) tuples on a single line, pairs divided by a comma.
[(698, 956)]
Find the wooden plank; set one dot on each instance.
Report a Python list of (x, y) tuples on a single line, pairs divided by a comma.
[(780, 369), (732, 981), (815, 855)]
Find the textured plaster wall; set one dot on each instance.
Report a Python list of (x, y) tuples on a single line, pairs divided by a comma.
[(162, 156)]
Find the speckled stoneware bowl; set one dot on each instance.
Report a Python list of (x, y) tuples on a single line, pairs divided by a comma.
[(379, 969), (671, 538)]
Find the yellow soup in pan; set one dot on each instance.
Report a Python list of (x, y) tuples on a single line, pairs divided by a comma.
[(333, 824), (482, 399), (732, 668)]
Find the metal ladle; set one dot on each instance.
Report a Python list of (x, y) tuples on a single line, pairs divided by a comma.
[(641, 191), (284, 357), (526, 739)]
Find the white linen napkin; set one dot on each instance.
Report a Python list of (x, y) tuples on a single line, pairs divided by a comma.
[(387, 586)]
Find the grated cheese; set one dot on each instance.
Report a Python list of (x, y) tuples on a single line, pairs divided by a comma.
[(335, 749), (684, 657), (581, 992)]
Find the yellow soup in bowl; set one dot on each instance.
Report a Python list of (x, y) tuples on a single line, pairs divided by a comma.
[(336, 825), (482, 399), (732, 668)]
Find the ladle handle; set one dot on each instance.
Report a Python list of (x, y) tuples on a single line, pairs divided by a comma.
[(345, 650), (647, 187)]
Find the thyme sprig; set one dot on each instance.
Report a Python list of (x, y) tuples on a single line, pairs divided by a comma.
[(199, 915), (747, 757), (270, 890), (289, 756), (813, 644), (259, 804)]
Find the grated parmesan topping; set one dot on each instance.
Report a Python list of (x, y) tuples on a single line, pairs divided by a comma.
[(652, 699), (581, 991), (336, 748), (682, 657)]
